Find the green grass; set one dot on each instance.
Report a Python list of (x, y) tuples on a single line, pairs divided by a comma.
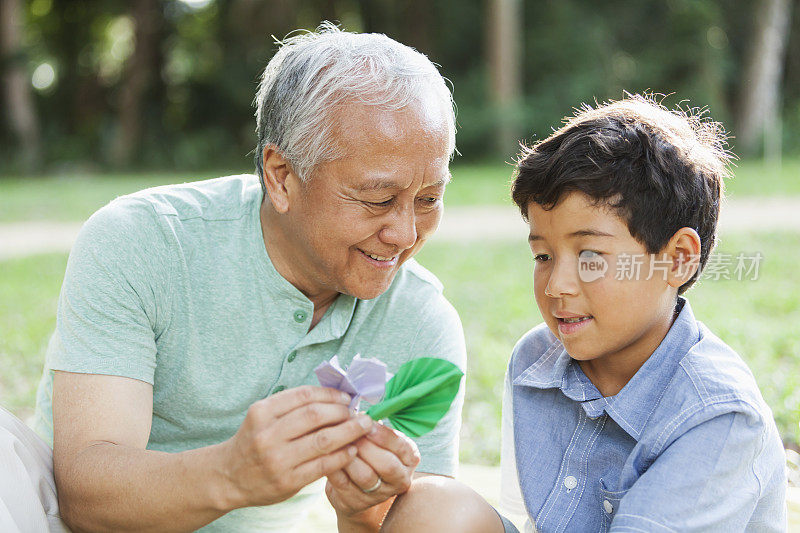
[(74, 198), (757, 178), (489, 183), (28, 295), (491, 287)]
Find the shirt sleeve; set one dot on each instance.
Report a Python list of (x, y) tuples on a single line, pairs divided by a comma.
[(112, 295), (703, 481), (441, 335)]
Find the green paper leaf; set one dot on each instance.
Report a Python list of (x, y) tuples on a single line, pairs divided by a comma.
[(419, 395)]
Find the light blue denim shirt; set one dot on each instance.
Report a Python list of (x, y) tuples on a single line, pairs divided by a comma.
[(687, 445)]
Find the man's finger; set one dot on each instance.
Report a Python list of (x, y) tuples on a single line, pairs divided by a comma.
[(326, 440), (361, 474), (339, 479), (279, 404), (309, 418), (385, 464), (397, 443), (322, 466)]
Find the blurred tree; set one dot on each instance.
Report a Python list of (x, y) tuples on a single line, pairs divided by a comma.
[(169, 83), (759, 111), (20, 111), (142, 72), (506, 34)]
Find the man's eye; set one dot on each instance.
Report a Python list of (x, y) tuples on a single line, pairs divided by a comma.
[(541, 258), (429, 200), (588, 254), (385, 203)]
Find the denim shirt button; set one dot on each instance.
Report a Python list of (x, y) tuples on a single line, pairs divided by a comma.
[(570, 482), (608, 507)]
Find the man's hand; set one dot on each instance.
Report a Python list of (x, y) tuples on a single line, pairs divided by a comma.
[(383, 468), (289, 440)]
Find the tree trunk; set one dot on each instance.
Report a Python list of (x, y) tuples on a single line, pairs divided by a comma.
[(505, 35), (17, 87), (141, 71), (759, 108)]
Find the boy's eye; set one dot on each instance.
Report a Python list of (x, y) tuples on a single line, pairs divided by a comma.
[(588, 254), (541, 258)]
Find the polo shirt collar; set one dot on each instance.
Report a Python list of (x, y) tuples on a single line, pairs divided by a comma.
[(337, 318), (632, 407)]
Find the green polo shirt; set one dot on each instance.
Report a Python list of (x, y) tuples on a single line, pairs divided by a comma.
[(173, 286)]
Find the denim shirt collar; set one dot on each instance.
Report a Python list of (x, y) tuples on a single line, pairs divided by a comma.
[(632, 406)]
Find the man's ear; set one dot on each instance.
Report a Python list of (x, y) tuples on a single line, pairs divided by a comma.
[(279, 178), (684, 251)]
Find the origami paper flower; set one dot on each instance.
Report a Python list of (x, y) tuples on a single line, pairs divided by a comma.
[(365, 379), (419, 395)]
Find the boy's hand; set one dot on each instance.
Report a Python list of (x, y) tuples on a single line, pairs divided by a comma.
[(382, 469)]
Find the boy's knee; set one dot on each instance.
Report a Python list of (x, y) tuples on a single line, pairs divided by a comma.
[(440, 504)]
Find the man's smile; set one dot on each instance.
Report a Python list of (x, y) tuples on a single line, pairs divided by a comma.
[(380, 260)]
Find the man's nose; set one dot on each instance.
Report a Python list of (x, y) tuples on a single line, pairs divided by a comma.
[(401, 228), (563, 280)]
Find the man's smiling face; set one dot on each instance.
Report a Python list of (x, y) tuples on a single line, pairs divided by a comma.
[(601, 320), (358, 218)]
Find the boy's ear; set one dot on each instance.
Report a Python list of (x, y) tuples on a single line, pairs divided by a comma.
[(684, 251), (279, 178)]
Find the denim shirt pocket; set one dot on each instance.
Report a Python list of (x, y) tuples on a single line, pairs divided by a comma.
[(609, 502)]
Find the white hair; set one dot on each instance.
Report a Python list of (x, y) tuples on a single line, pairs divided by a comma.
[(314, 73)]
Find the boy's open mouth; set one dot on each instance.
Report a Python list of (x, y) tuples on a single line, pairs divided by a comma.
[(574, 320), (569, 323)]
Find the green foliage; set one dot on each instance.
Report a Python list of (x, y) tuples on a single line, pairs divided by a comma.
[(197, 110)]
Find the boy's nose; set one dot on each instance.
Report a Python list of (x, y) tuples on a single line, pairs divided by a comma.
[(563, 281)]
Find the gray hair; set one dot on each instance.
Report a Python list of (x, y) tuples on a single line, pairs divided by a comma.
[(314, 73)]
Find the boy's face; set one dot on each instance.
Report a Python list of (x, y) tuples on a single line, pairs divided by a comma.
[(608, 316)]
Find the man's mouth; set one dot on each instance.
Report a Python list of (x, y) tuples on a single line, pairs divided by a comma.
[(381, 259)]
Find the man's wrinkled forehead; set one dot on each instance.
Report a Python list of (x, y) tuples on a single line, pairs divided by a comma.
[(381, 183)]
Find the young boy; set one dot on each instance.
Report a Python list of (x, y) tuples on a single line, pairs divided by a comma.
[(622, 412)]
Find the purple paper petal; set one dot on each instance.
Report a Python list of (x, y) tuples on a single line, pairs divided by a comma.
[(369, 378), (329, 373), (364, 379)]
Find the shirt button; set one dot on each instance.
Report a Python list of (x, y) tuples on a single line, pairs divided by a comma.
[(300, 316), (608, 507), (570, 482), (278, 389), (291, 356)]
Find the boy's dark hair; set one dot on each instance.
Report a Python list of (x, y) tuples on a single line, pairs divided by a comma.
[(658, 170)]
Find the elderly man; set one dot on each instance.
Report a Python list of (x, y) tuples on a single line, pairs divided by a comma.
[(178, 387)]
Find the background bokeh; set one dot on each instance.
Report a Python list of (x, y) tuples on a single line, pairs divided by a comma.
[(168, 84)]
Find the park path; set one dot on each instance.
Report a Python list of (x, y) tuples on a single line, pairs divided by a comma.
[(459, 224)]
